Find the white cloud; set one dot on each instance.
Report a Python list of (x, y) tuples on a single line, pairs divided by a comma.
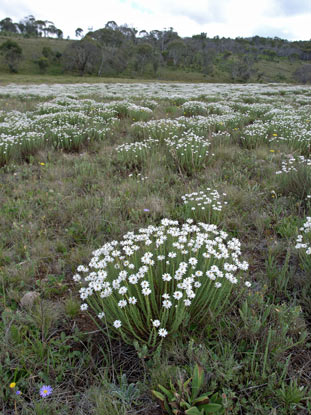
[(228, 18)]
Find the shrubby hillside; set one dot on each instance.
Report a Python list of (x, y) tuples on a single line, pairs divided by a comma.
[(123, 51)]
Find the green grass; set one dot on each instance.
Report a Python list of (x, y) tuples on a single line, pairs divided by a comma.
[(58, 206), (32, 50)]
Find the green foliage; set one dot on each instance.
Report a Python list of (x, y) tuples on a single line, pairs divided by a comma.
[(128, 394), (291, 394), (43, 63), (12, 53), (188, 396)]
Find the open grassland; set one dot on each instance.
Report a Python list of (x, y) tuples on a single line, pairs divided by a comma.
[(153, 234)]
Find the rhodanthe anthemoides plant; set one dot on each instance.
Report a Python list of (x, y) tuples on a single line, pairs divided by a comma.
[(149, 283), (303, 243), (205, 206)]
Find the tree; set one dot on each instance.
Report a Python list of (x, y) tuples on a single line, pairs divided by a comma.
[(12, 53), (144, 54), (59, 34), (41, 24), (81, 56), (79, 32), (176, 49), (109, 41), (303, 74), (7, 25), (31, 28)]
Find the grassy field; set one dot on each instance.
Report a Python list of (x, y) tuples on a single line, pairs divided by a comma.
[(81, 168)]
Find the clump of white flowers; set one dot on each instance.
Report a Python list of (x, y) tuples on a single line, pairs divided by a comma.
[(191, 108), (190, 151), (150, 282), (303, 240), (136, 152), (293, 163), (204, 205)]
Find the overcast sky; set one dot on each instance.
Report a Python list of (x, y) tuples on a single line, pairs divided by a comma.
[(288, 19)]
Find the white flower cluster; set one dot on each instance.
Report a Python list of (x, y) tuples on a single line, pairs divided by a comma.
[(139, 177), (293, 163), (130, 109), (303, 240), (158, 269), (209, 199), (60, 123), (137, 148), (190, 144), (158, 90), (255, 132), (203, 126), (194, 108), (158, 129)]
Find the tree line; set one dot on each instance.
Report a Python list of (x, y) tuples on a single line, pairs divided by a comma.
[(30, 27), (123, 50)]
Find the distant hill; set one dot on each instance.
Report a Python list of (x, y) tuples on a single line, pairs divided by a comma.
[(118, 51)]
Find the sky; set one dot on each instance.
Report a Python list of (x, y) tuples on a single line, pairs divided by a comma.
[(287, 19)]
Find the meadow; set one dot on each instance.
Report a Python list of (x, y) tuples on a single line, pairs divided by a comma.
[(155, 249)]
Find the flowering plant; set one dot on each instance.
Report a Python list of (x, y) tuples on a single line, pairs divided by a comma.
[(150, 282), (204, 205), (189, 152), (303, 243)]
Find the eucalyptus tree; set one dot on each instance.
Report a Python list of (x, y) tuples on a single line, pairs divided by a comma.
[(7, 25), (79, 32), (81, 56), (109, 41)]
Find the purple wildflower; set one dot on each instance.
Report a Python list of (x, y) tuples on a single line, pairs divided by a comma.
[(45, 391), (18, 392), (146, 210)]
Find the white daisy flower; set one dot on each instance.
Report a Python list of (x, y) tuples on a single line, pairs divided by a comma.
[(167, 304), (117, 324), (177, 295), (163, 333), (122, 303)]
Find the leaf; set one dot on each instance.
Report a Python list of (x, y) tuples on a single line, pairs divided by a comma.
[(158, 395), (193, 411), (187, 382), (212, 408), (162, 399), (168, 393), (203, 399), (184, 404), (197, 381)]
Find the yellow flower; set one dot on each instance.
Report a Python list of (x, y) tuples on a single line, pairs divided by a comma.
[(271, 151), (274, 134), (42, 164), (12, 385)]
